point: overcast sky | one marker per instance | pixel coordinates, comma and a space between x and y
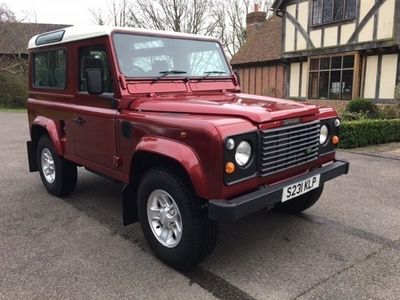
74, 12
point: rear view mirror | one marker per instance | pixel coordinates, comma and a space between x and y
94, 81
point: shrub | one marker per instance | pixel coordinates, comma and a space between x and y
13, 90
389, 111
369, 132
360, 108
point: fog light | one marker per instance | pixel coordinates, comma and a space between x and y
229, 167
336, 123
335, 140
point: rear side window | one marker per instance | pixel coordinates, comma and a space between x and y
50, 69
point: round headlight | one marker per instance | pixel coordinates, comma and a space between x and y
336, 122
323, 134
243, 153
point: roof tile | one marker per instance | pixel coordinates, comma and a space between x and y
263, 43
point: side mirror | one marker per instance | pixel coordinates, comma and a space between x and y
94, 81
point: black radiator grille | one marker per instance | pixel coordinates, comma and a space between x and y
286, 147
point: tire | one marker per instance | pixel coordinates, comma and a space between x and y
197, 237
58, 175
300, 203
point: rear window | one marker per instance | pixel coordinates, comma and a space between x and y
50, 69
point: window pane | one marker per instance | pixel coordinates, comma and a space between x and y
41, 70
314, 64
313, 91
325, 63
338, 10
95, 57
347, 85
327, 13
317, 11
337, 62
334, 92
50, 69
350, 10
348, 62
323, 85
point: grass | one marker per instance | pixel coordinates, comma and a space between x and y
13, 109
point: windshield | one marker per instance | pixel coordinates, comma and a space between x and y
150, 56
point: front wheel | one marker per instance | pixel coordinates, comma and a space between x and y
174, 221
58, 175
300, 203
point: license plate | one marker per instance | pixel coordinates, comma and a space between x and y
300, 188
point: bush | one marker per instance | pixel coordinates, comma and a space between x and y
13, 90
389, 111
369, 132
360, 108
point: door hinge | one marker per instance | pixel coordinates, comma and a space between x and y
116, 161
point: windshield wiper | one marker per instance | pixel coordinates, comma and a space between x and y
170, 72
208, 73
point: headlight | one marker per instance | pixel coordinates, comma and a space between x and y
323, 134
243, 153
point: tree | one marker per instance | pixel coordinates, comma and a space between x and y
6, 15
224, 19
10, 62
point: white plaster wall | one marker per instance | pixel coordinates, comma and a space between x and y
294, 80
315, 36
304, 82
346, 32
388, 76
367, 33
331, 36
370, 76
386, 20
303, 20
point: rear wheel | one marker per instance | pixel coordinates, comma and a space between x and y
174, 221
58, 175
300, 203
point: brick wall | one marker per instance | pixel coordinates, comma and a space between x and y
339, 105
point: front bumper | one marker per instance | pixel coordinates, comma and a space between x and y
267, 196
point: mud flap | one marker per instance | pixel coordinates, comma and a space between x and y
33, 167
129, 205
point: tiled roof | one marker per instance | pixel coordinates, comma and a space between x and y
14, 36
263, 43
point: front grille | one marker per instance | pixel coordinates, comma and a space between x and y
286, 147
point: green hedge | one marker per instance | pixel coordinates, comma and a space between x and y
13, 90
369, 132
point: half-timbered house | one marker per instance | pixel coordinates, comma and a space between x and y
340, 49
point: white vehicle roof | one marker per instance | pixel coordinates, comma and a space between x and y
76, 33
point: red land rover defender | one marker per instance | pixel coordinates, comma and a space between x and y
162, 112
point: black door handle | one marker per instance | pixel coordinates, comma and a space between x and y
79, 121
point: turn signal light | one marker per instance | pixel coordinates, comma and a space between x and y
335, 140
229, 167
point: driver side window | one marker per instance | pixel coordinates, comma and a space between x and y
94, 57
